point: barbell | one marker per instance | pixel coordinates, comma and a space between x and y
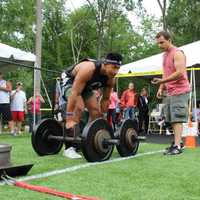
96, 141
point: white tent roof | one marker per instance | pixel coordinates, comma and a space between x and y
153, 64
14, 55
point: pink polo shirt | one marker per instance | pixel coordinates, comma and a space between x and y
179, 86
37, 105
113, 100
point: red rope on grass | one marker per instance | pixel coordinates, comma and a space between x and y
53, 192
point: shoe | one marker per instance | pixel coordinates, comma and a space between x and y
71, 153
172, 145
173, 151
13, 133
168, 132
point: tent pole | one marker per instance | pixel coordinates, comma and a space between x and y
190, 98
195, 97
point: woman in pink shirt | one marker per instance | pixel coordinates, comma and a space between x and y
30, 105
111, 117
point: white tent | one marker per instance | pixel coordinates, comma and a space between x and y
153, 64
10, 57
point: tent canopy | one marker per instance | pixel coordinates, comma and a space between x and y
10, 57
153, 64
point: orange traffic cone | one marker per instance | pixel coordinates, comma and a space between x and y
190, 140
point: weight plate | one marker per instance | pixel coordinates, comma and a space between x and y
128, 138
40, 142
93, 136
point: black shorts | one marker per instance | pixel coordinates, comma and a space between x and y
5, 112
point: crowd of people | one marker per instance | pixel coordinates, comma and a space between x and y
130, 105
14, 106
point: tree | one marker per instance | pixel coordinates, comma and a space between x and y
82, 28
163, 7
15, 29
183, 20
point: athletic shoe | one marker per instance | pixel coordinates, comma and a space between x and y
173, 151
168, 132
14, 133
71, 153
172, 145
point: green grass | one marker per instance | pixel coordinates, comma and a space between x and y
149, 177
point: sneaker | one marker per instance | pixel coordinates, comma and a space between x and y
71, 153
13, 133
172, 145
168, 132
173, 151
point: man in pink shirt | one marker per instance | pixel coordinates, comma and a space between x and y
176, 83
128, 101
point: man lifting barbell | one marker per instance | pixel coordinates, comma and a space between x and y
95, 136
80, 81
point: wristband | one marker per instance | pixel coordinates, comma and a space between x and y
69, 113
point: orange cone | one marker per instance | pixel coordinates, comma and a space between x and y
190, 140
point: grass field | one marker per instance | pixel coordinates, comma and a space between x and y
146, 177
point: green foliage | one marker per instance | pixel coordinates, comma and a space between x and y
17, 19
183, 20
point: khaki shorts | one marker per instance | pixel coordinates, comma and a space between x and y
176, 108
86, 94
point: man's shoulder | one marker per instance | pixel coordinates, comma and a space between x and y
86, 69
87, 63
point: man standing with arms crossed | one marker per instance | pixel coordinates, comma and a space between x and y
175, 82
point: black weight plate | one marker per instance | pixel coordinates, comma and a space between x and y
128, 138
40, 142
92, 147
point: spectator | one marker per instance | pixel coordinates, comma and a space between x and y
129, 102
111, 116
5, 89
18, 107
177, 86
38, 100
143, 111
